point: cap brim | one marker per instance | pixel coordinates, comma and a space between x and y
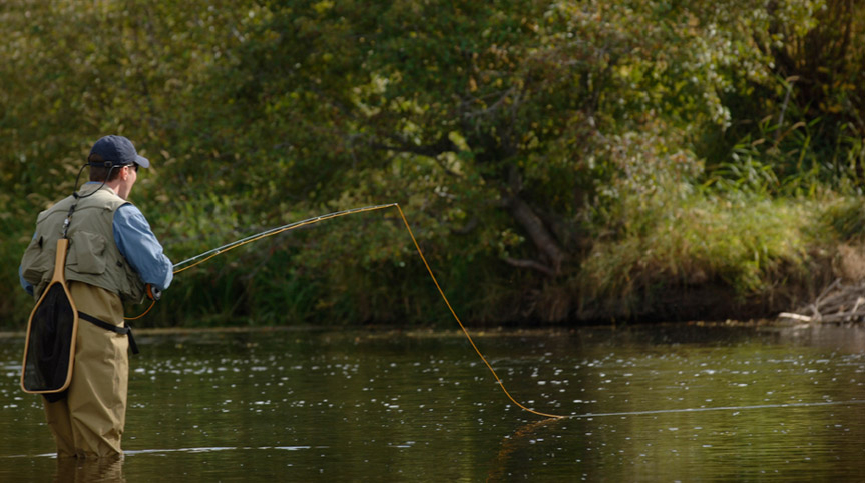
141, 161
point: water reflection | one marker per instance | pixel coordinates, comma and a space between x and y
96, 470
526, 434
683, 402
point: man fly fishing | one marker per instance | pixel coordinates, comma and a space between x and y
113, 257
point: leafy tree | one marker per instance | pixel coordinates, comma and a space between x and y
525, 140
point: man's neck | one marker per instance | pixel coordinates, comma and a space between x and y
99, 185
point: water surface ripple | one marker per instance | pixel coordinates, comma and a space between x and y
687, 402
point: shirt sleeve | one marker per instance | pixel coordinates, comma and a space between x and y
24, 283
137, 243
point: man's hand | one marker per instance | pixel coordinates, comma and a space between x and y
153, 293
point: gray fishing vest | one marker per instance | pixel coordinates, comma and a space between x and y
93, 256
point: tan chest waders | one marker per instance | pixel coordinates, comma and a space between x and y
49, 349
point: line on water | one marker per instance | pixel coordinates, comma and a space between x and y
576, 416
219, 448
211, 449
721, 408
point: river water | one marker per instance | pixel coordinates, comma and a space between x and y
644, 403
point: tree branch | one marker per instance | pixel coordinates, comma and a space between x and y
468, 228
531, 264
539, 234
441, 146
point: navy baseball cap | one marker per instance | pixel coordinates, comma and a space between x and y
118, 150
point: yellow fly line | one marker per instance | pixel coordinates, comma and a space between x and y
203, 257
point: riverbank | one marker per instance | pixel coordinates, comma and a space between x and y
702, 260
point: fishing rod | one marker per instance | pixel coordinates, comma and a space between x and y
204, 256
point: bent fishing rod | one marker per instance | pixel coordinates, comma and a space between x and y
204, 256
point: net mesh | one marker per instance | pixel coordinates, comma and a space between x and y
47, 363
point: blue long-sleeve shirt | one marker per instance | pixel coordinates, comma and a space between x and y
137, 243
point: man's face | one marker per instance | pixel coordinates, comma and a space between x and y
128, 175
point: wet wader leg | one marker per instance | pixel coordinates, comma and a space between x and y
57, 415
97, 394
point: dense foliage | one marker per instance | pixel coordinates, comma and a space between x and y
560, 161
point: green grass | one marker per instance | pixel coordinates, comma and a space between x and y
747, 245
754, 247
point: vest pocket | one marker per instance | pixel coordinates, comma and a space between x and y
37, 262
87, 253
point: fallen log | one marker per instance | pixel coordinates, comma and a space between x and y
838, 303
